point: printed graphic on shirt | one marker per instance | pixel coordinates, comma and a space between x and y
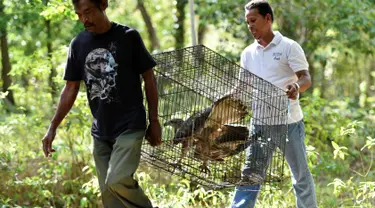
101, 72
277, 55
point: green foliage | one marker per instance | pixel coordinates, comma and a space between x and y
339, 151
58, 10
361, 187
68, 178
346, 142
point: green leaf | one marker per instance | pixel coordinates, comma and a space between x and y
335, 146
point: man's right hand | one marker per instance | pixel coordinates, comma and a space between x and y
153, 133
68, 96
47, 142
292, 91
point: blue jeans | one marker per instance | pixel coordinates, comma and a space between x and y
295, 155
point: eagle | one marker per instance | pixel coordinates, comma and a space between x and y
211, 131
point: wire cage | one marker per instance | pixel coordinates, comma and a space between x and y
221, 124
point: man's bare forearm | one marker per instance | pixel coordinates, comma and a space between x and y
67, 98
151, 94
304, 80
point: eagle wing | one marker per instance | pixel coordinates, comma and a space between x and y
227, 109
192, 125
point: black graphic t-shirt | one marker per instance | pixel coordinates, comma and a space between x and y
111, 65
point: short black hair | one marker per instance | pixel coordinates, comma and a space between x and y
263, 7
96, 2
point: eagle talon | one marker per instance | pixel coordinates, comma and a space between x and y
205, 169
177, 165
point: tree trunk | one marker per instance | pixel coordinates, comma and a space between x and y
180, 31
202, 29
323, 84
5, 60
312, 73
150, 28
25, 81
53, 72
371, 92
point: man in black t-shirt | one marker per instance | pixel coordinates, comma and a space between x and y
111, 59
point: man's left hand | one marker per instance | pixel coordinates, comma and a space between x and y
292, 91
153, 134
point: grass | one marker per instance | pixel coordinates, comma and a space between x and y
68, 179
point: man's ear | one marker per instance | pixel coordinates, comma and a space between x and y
268, 17
104, 5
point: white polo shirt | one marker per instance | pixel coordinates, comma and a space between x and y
277, 63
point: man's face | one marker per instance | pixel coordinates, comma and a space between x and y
257, 24
89, 14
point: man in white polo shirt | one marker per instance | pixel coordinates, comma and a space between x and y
282, 62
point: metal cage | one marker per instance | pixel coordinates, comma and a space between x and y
216, 114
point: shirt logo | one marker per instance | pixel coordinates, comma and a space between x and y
277, 56
101, 72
